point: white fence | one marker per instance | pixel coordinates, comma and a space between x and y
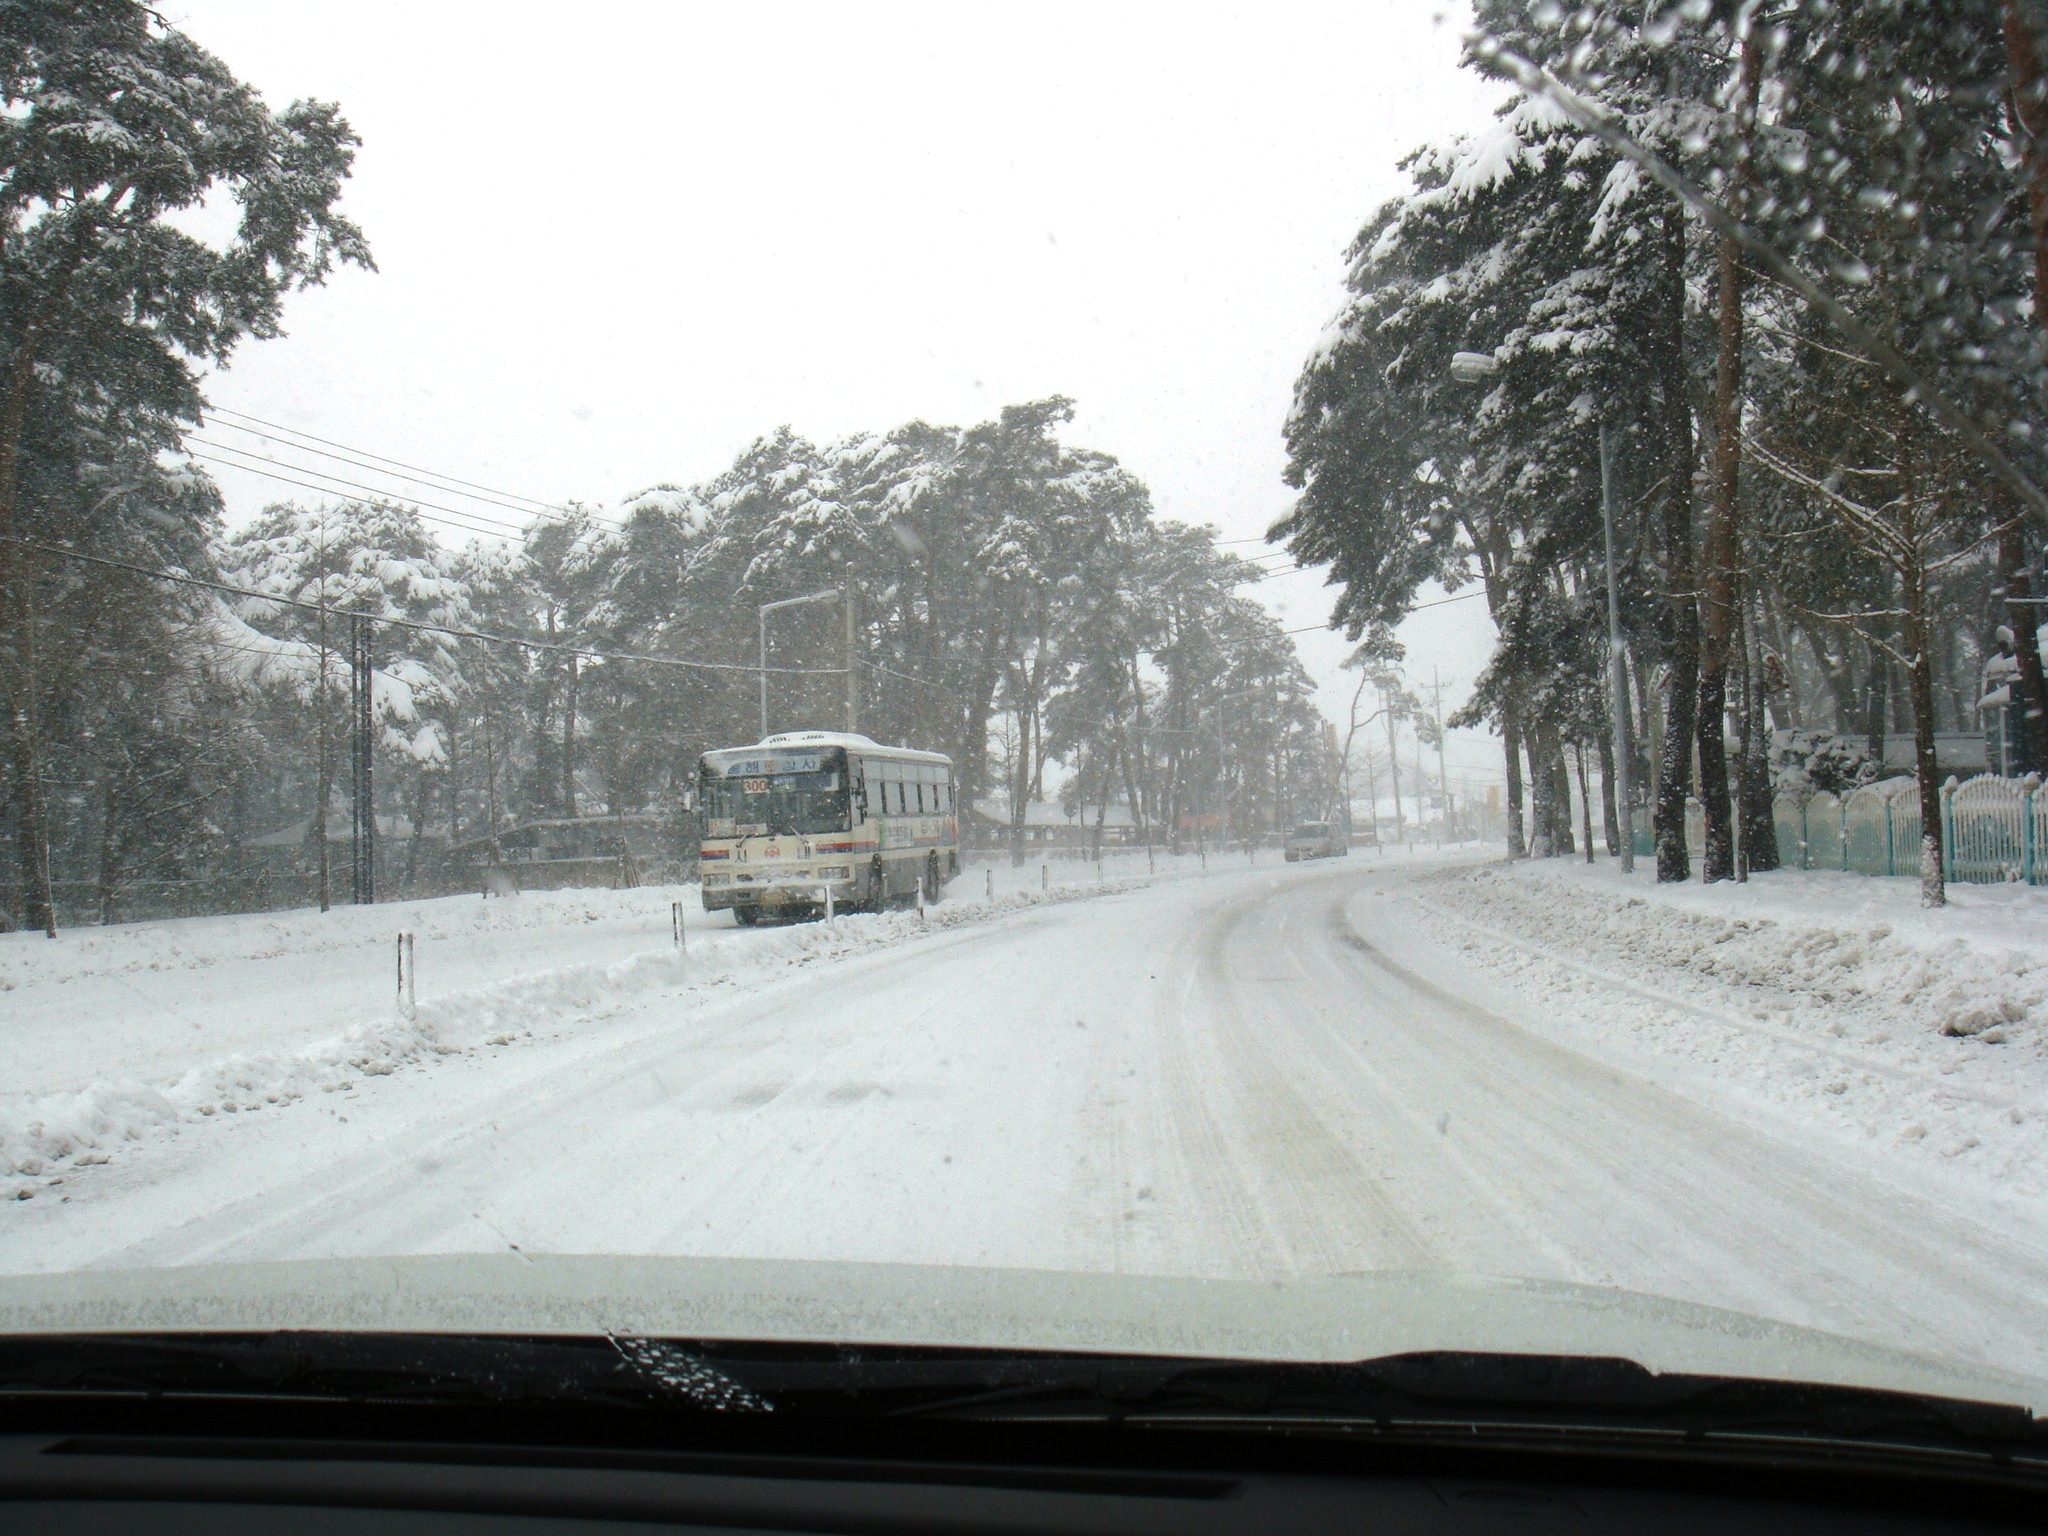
1993, 830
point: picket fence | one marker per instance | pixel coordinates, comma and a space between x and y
1994, 830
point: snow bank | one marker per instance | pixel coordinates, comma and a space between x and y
1920, 1032
41, 1133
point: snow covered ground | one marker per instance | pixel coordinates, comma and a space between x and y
1832, 1002
1404, 1063
111, 1034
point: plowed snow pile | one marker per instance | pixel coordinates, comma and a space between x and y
1922, 1035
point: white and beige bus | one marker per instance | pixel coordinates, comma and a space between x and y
807, 813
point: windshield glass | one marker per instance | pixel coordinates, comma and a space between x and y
1392, 655
738, 802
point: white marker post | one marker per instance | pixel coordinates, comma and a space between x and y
408, 991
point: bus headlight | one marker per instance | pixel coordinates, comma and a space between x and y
718, 879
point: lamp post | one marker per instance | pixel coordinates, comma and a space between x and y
829, 595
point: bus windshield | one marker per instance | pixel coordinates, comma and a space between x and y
738, 802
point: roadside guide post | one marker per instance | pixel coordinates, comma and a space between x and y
408, 990
677, 931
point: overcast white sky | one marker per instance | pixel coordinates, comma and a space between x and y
616, 242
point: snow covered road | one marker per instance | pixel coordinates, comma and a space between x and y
1283, 1070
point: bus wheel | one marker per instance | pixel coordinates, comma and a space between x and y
746, 917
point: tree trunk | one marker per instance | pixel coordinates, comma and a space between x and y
1682, 676
1933, 890
109, 872
1723, 517
1876, 724
1561, 838
2029, 707
1542, 796
2028, 96
1759, 819
32, 813
1511, 741
1586, 805
1610, 812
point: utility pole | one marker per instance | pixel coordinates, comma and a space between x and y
365, 808
852, 684
1617, 675
325, 766
1443, 783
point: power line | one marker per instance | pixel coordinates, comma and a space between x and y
876, 666
420, 625
482, 517
1462, 597
488, 531
545, 507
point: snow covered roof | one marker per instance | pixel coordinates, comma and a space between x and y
818, 739
850, 739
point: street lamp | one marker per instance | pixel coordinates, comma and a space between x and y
829, 595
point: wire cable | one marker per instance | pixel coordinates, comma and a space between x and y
420, 625
450, 480
470, 522
1462, 597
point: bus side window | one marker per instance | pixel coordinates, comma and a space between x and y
922, 808
857, 788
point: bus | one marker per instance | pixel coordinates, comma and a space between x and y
811, 819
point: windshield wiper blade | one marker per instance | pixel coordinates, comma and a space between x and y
1469, 1391
1415, 1394
609, 1372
